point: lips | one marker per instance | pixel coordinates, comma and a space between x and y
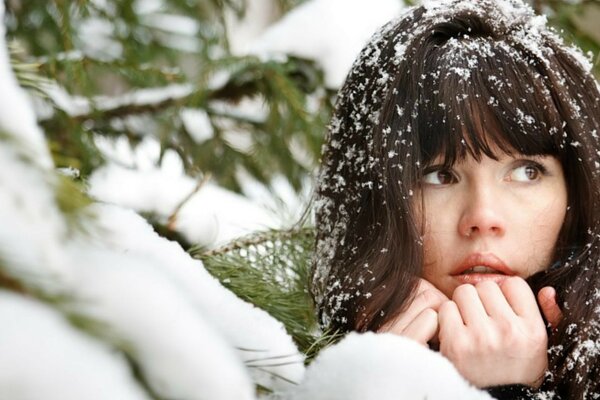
478, 267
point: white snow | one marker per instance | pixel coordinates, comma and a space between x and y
145, 296
177, 24
243, 325
197, 124
77, 106
15, 108
96, 37
243, 30
331, 32
150, 294
43, 357
211, 217
382, 367
134, 178
180, 354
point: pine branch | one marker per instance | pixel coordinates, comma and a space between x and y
256, 239
173, 217
10, 283
270, 270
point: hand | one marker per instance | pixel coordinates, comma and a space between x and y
495, 335
547, 300
420, 320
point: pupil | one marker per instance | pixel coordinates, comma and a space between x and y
444, 176
531, 172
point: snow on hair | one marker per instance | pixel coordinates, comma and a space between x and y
449, 78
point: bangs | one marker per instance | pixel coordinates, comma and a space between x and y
484, 98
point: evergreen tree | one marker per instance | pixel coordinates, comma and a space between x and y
134, 68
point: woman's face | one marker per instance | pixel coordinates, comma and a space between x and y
491, 219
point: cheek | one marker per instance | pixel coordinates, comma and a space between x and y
545, 230
554, 216
438, 227
433, 247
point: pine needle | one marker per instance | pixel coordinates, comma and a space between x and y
270, 270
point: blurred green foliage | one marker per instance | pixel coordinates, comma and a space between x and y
578, 22
108, 52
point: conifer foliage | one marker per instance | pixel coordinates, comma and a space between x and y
92, 289
163, 68
141, 68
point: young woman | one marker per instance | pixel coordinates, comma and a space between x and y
458, 199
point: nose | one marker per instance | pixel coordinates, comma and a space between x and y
481, 214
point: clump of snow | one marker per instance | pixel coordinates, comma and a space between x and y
197, 124
97, 39
77, 106
338, 30
140, 294
178, 24
212, 216
150, 293
243, 30
27, 200
16, 111
382, 367
246, 327
24, 188
179, 352
43, 357
105, 285
138, 178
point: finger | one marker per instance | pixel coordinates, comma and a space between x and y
520, 298
450, 320
550, 309
429, 297
469, 304
425, 284
493, 299
423, 328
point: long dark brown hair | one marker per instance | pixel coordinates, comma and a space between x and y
454, 79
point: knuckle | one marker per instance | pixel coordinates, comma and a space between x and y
431, 297
430, 314
446, 307
539, 335
486, 342
456, 348
506, 328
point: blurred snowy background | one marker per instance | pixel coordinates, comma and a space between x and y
136, 134
205, 116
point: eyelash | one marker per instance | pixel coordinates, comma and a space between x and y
531, 163
543, 171
439, 168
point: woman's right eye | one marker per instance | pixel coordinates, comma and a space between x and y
439, 177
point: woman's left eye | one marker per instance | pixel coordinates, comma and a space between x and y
528, 172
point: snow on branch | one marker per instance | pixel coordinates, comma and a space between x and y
134, 295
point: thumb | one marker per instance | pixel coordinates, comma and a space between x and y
547, 300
